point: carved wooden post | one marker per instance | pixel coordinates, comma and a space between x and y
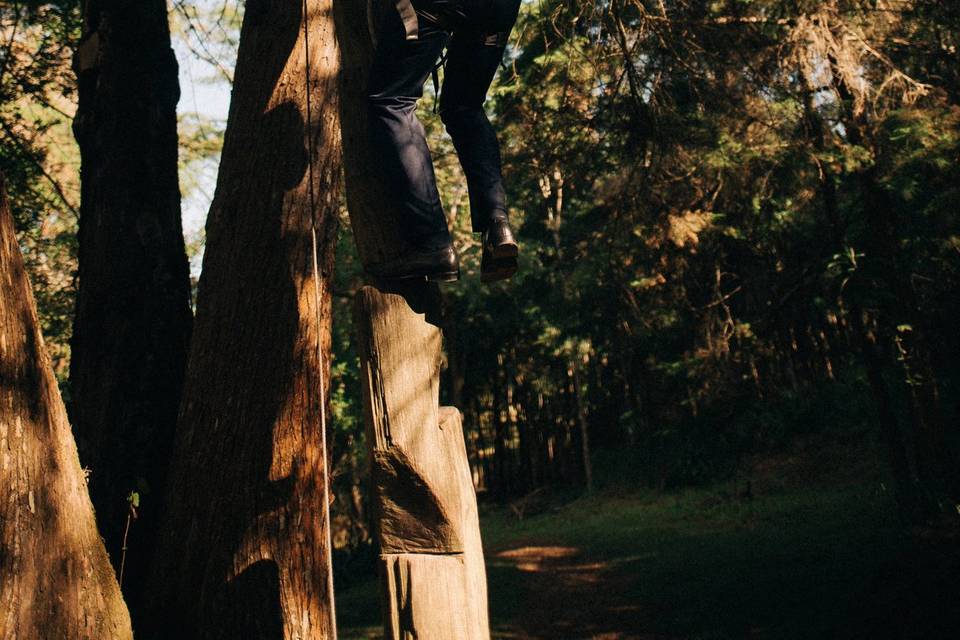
434, 581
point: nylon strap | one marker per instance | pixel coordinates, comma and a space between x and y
498, 39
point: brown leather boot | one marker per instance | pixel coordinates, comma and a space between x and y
435, 265
499, 259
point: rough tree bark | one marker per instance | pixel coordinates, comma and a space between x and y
55, 578
373, 215
132, 322
243, 549
431, 561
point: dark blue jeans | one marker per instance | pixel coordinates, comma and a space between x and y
476, 31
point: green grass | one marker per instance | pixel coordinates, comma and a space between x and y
808, 555
780, 566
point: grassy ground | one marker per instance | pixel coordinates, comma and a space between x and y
810, 548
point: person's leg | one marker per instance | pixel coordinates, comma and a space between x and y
400, 68
475, 52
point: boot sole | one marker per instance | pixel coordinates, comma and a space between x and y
449, 276
505, 251
498, 269
499, 262
446, 276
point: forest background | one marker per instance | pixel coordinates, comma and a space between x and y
740, 226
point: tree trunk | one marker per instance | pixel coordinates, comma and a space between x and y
243, 551
431, 560
483, 459
582, 423
373, 215
503, 486
55, 578
132, 323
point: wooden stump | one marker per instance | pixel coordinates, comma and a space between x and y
433, 576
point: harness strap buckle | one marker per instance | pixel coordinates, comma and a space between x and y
408, 15
498, 39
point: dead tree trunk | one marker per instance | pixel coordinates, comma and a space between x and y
132, 323
243, 549
55, 578
434, 583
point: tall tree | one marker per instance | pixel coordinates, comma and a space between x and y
243, 549
132, 322
55, 578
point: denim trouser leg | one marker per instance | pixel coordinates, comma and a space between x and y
400, 68
473, 57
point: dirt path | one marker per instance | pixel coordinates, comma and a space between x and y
566, 596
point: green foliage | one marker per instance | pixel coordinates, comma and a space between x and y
38, 157
705, 193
